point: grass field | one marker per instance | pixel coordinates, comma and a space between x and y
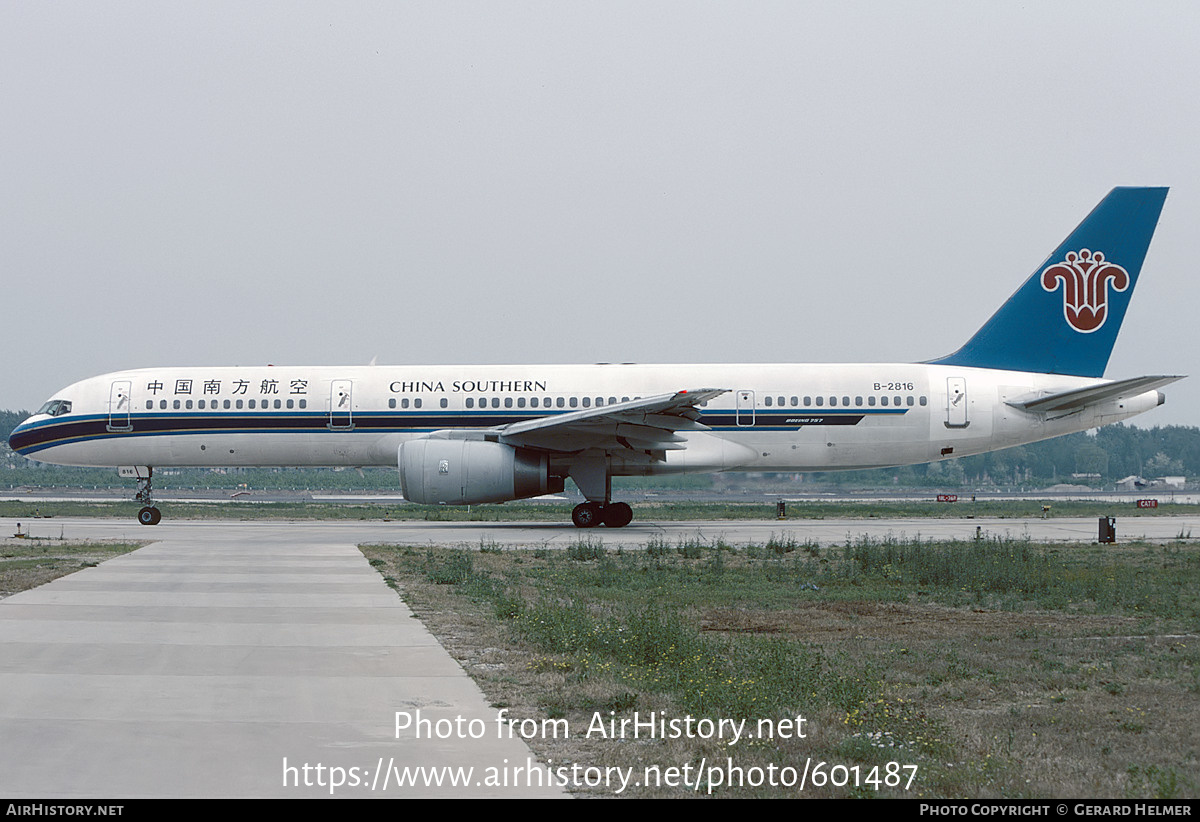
996, 668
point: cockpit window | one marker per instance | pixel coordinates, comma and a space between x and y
56, 408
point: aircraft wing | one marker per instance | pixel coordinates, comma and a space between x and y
1076, 398
646, 424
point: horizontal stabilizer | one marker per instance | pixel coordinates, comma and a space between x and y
1078, 398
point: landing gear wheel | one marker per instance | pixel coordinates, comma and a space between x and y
149, 515
618, 515
587, 515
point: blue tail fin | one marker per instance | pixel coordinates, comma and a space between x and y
1065, 318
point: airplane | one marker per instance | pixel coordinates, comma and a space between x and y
463, 435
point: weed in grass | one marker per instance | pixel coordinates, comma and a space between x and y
716, 567
1157, 783
585, 549
451, 571
508, 606
781, 545
657, 547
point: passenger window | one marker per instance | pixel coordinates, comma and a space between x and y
290, 403
508, 402
910, 402
470, 402
162, 404
883, 400
832, 401
239, 404
820, 401
767, 401
858, 401
923, 400
188, 405
392, 402
574, 402
417, 402
444, 403
304, 403
520, 402
533, 402
560, 402
149, 404
251, 403
226, 404
176, 405
795, 401
278, 403
495, 402
871, 401
587, 402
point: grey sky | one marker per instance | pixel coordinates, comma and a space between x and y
323, 183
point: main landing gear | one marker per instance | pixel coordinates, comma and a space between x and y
591, 473
591, 514
149, 513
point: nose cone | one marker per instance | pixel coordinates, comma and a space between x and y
17, 437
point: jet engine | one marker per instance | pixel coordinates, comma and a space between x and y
467, 472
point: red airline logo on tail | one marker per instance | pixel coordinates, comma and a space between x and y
1085, 277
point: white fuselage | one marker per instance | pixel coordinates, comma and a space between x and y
772, 418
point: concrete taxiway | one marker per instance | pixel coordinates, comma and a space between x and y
239, 666
264, 658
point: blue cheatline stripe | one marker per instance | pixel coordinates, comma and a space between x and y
41, 435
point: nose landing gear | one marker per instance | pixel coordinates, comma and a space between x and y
149, 513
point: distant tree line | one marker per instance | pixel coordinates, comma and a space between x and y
1098, 458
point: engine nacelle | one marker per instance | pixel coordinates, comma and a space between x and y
467, 472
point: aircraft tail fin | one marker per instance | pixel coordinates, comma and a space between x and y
1064, 319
